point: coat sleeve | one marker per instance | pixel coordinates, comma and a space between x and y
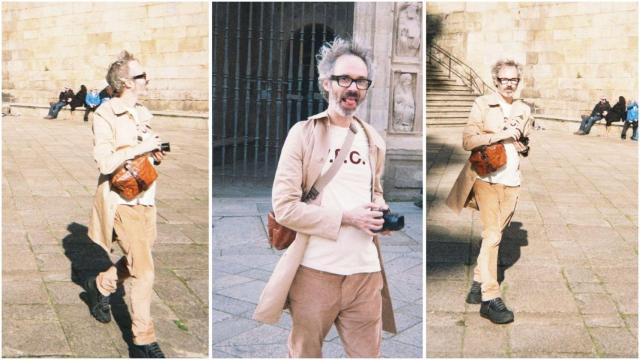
104, 152
306, 218
473, 134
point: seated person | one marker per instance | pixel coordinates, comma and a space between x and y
65, 97
631, 120
91, 103
78, 99
599, 111
616, 113
106, 94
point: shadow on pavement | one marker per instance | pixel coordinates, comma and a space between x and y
513, 239
88, 259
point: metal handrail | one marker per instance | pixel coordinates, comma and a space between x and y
456, 66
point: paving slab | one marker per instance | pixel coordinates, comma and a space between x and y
49, 178
569, 257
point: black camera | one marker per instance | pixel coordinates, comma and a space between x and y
392, 221
165, 147
524, 140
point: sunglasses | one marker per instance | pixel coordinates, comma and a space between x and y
141, 76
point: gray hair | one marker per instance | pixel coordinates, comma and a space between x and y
331, 51
119, 70
495, 69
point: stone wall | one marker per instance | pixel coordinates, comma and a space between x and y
573, 52
46, 46
394, 104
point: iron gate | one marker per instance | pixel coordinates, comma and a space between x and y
264, 78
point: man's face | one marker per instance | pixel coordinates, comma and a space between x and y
603, 100
137, 81
345, 100
507, 81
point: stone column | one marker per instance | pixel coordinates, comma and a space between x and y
394, 104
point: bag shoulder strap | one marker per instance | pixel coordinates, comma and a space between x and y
325, 178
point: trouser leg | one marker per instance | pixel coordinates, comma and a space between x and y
497, 205
360, 320
590, 123
314, 302
135, 227
625, 127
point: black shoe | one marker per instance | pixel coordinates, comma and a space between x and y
496, 311
98, 303
146, 351
475, 293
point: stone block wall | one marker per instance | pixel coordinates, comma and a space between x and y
572, 52
46, 46
394, 104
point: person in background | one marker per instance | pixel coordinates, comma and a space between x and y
106, 94
78, 99
615, 114
631, 120
91, 103
64, 98
599, 111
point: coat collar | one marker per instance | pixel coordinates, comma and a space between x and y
493, 99
119, 107
372, 135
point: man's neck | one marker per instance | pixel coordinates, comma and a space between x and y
339, 120
508, 100
129, 99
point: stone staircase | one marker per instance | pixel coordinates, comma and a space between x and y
448, 99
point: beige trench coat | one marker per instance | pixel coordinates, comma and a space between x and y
113, 128
485, 121
301, 161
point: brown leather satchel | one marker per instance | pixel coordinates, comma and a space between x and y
488, 158
133, 177
280, 236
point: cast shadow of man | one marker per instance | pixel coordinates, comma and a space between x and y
88, 259
513, 238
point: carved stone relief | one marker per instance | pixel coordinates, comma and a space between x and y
409, 29
404, 105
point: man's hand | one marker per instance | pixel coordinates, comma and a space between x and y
510, 133
158, 156
364, 218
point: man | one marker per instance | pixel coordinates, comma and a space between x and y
600, 110
121, 132
332, 273
91, 103
494, 118
64, 98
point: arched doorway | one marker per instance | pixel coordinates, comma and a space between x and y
264, 79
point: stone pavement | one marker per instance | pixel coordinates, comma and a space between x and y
569, 256
49, 179
243, 261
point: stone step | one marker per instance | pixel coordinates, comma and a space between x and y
445, 95
448, 115
447, 87
438, 84
450, 103
446, 122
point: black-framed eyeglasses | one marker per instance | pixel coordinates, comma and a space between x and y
140, 76
346, 81
505, 81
